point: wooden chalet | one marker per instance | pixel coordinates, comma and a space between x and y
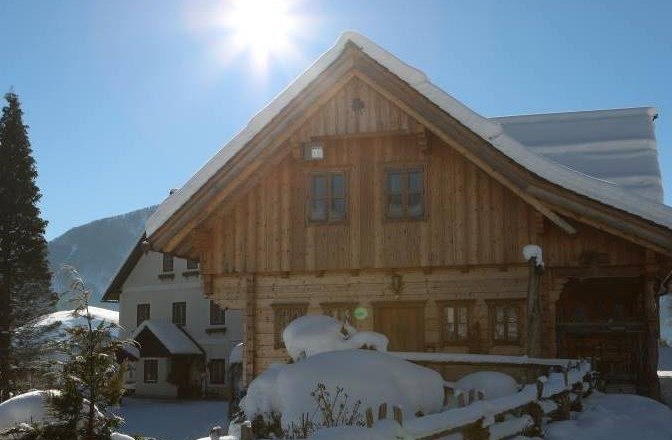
366, 192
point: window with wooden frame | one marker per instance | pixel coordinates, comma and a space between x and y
192, 265
343, 311
327, 197
456, 320
405, 193
217, 314
168, 263
506, 321
217, 371
142, 313
151, 371
283, 314
180, 313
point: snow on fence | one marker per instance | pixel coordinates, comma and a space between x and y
523, 413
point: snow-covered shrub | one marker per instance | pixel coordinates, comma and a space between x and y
371, 377
492, 383
312, 334
25, 408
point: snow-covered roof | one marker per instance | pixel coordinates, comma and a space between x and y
171, 336
68, 319
614, 145
490, 130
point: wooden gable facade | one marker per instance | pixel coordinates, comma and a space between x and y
419, 235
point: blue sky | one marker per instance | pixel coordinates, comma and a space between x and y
126, 99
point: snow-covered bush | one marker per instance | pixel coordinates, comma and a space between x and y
283, 392
25, 408
312, 334
493, 384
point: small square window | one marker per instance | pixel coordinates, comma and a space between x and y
217, 371
506, 321
455, 319
217, 314
142, 313
180, 313
327, 201
283, 315
151, 370
405, 193
192, 265
167, 263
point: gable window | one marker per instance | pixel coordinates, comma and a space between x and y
283, 315
217, 371
192, 265
167, 263
455, 318
180, 313
405, 193
343, 311
505, 321
142, 313
151, 370
217, 314
327, 199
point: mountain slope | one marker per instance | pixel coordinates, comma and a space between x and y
97, 249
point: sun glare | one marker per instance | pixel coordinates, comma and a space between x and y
263, 28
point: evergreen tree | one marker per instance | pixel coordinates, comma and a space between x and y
91, 380
24, 273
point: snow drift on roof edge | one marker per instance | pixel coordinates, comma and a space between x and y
598, 190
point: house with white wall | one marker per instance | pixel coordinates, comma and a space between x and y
184, 337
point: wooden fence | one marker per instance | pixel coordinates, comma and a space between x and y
552, 397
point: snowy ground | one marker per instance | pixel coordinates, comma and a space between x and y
665, 374
615, 417
171, 419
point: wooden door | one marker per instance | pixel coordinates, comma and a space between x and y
403, 322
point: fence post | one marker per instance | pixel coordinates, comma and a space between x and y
369, 417
398, 417
461, 400
382, 411
540, 389
246, 431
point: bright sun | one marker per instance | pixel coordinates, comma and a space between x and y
264, 28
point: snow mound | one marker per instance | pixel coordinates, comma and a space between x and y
312, 334
615, 417
533, 251
68, 319
369, 376
25, 408
118, 436
493, 384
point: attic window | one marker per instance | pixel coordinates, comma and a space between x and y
167, 265
313, 151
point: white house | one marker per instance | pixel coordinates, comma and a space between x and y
185, 338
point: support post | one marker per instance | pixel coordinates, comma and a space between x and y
250, 331
534, 309
651, 313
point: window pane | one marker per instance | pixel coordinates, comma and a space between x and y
394, 182
462, 315
167, 263
462, 331
318, 209
319, 187
337, 209
217, 314
337, 185
499, 331
499, 314
394, 208
415, 181
449, 315
192, 265
416, 205
512, 323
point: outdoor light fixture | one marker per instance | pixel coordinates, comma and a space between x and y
313, 151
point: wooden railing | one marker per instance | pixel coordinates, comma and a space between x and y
552, 396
